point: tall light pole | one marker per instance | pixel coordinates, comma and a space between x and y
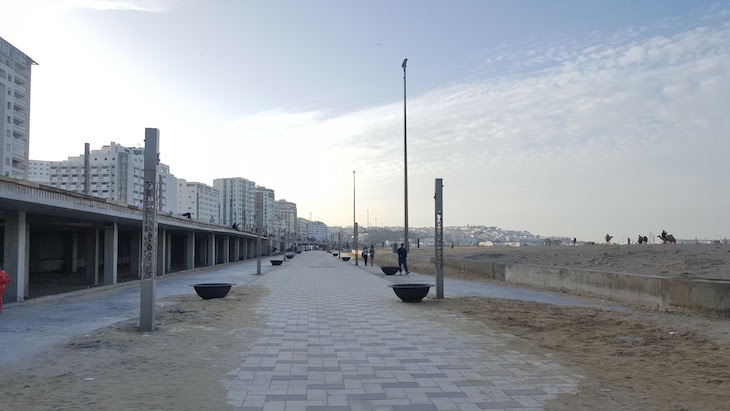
354, 226
405, 153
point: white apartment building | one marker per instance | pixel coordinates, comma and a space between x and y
116, 173
39, 171
317, 230
200, 200
285, 216
237, 201
265, 209
14, 111
302, 228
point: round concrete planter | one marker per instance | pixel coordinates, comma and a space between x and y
345, 258
411, 292
390, 270
207, 291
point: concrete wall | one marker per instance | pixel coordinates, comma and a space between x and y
689, 296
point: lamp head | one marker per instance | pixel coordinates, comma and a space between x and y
405, 61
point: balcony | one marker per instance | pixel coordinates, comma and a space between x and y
20, 117
21, 88
22, 77
19, 128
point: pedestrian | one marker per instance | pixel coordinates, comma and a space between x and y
365, 254
372, 254
402, 255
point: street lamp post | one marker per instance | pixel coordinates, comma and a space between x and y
405, 154
354, 224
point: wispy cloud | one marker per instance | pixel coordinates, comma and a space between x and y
150, 6
619, 111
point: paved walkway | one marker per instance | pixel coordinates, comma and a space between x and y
337, 338
37, 324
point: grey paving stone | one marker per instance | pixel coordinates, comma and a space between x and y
335, 338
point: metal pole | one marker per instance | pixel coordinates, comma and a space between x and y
405, 155
339, 244
149, 230
354, 223
439, 215
258, 250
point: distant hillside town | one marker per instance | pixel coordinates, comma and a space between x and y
469, 235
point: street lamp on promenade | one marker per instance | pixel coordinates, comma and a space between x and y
405, 153
354, 223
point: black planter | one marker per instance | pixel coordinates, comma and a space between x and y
411, 292
299, 252
212, 290
335, 253
276, 262
390, 270
345, 258
290, 256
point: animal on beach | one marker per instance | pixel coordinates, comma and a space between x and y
667, 238
643, 240
608, 239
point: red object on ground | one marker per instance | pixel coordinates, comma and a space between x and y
4, 280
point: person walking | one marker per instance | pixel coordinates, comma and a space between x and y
372, 255
365, 254
402, 255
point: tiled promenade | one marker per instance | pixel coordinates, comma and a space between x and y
337, 338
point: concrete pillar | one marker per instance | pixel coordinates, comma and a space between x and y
168, 253
236, 249
190, 250
135, 254
91, 257
211, 250
161, 251
111, 250
15, 256
226, 249
71, 250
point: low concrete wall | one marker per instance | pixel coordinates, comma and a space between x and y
689, 296
697, 296
634, 289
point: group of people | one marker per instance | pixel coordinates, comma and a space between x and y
402, 256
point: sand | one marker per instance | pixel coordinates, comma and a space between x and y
179, 366
640, 360
672, 260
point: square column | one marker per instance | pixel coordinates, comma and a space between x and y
211, 250
190, 250
161, 251
226, 249
168, 253
236, 249
135, 254
111, 251
91, 256
71, 250
16, 253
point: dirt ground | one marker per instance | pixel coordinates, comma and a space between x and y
638, 360
673, 260
179, 366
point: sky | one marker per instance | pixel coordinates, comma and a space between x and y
570, 118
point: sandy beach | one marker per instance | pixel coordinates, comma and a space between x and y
673, 260
636, 360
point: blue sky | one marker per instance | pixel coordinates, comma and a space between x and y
562, 118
